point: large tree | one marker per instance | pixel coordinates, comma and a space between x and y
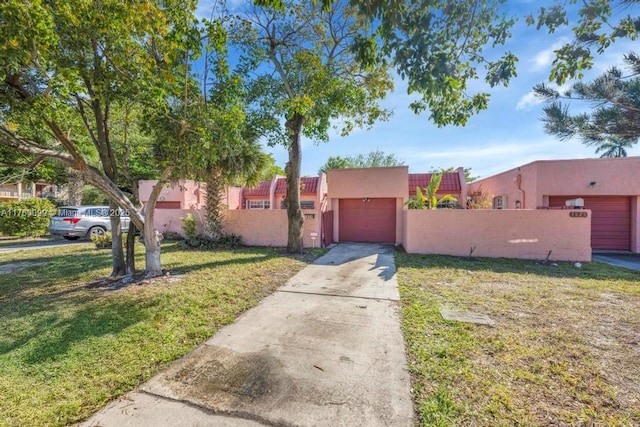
63, 66
373, 159
439, 47
612, 123
307, 76
615, 107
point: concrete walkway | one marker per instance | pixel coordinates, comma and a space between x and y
325, 349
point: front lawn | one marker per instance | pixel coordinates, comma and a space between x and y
564, 350
69, 343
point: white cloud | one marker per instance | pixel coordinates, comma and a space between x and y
543, 59
527, 101
531, 100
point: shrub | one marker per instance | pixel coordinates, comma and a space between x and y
190, 227
105, 240
26, 218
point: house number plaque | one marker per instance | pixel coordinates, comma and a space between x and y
578, 214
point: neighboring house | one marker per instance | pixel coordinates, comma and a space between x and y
367, 204
22, 191
187, 194
610, 188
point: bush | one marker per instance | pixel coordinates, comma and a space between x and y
106, 240
26, 218
103, 241
190, 228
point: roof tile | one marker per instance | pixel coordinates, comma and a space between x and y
450, 182
309, 185
261, 189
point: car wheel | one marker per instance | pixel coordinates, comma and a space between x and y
96, 231
71, 237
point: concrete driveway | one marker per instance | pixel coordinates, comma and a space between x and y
626, 260
325, 349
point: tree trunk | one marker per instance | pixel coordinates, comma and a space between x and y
213, 215
117, 254
131, 251
75, 187
152, 237
292, 169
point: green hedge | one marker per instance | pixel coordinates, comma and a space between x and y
26, 218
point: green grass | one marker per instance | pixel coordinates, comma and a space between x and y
12, 240
563, 351
68, 344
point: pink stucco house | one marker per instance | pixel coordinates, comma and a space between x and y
529, 216
609, 188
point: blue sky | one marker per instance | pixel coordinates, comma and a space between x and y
508, 134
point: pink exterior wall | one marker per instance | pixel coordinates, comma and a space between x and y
232, 198
170, 220
369, 182
614, 177
541, 179
266, 227
257, 228
526, 234
187, 192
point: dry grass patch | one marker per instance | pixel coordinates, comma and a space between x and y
565, 349
68, 345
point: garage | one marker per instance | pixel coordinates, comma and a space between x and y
367, 220
610, 220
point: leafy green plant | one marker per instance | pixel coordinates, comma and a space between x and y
102, 241
105, 240
26, 218
428, 199
230, 240
190, 227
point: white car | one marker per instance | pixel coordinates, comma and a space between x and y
74, 222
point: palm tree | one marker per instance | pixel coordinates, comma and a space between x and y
236, 163
614, 147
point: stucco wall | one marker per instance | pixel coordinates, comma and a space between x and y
527, 234
257, 228
170, 220
266, 227
369, 182
613, 177
187, 192
505, 184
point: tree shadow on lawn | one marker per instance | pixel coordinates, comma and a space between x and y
68, 268
50, 327
243, 255
560, 269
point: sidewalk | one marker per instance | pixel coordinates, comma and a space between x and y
325, 349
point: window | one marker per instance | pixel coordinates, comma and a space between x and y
258, 204
499, 202
304, 204
307, 204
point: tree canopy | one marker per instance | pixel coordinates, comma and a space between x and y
438, 47
305, 74
373, 159
611, 124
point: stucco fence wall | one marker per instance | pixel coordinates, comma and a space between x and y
257, 227
526, 234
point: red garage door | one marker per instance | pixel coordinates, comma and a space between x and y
371, 221
610, 220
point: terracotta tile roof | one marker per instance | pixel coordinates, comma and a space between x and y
261, 190
309, 185
450, 182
